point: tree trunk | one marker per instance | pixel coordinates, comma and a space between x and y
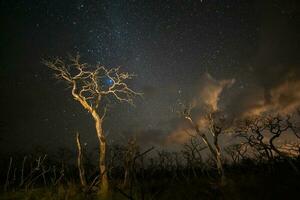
126, 178
215, 151
220, 166
217, 156
80, 163
102, 155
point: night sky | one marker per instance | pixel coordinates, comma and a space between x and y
245, 52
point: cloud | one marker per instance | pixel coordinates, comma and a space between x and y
277, 58
282, 99
209, 90
183, 131
178, 136
275, 85
206, 99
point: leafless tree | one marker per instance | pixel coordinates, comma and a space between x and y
215, 129
237, 152
277, 126
131, 170
261, 132
131, 151
32, 171
93, 87
192, 153
253, 130
116, 155
80, 165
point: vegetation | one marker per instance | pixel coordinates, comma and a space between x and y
256, 164
93, 87
153, 174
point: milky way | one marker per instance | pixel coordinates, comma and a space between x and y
170, 45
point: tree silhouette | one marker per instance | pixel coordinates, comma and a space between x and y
261, 132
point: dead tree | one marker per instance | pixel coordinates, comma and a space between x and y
192, 153
237, 152
277, 126
252, 131
132, 178
215, 130
93, 88
131, 151
255, 131
80, 162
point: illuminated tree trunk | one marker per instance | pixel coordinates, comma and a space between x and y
126, 177
216, 154
79, 162
102, 154
88, 89
220, 166
218, 157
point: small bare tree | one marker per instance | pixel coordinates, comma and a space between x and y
131, 150
80, 162
237, 152
192, 154
93, 88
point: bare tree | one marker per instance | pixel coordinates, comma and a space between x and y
237, 152
261, 133
192, 154
215, 129
80, 162
131, 151
93, 88
253, 131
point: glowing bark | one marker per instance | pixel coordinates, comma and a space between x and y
89, 86
80, 163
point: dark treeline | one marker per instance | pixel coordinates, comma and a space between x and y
254, 167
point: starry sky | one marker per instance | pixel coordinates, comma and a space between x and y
175, 48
